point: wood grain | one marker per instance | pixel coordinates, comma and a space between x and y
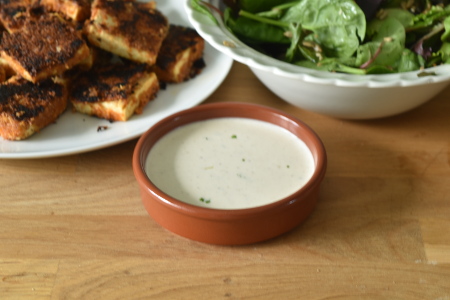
74, 227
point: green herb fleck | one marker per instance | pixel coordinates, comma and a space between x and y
207, 201
288, 166
243, 159
234, 136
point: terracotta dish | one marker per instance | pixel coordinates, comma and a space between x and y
229, 226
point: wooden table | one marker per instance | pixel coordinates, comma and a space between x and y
74, 227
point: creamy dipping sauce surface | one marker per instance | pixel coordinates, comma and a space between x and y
229, 163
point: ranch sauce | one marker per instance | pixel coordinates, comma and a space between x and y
229, 163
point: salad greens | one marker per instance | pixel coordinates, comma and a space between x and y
357, 37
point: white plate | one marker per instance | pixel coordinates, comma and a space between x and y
77, 133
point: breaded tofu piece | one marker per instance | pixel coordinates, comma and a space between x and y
26, 108
13, 14
5, 67
77, 10
5, 70
43, 48
128, 29
84, 65
181, 48
114, 92
2, 74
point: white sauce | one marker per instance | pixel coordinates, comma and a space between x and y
229, 163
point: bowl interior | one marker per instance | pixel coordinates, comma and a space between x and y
217, 35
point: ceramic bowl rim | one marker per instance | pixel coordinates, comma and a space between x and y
218, 36
140, 154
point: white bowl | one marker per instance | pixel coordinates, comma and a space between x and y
335, 94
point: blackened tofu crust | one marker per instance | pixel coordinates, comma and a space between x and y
13, 14
114, 92
128, 29
26, 108
182, 47
78, 10
43, 48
